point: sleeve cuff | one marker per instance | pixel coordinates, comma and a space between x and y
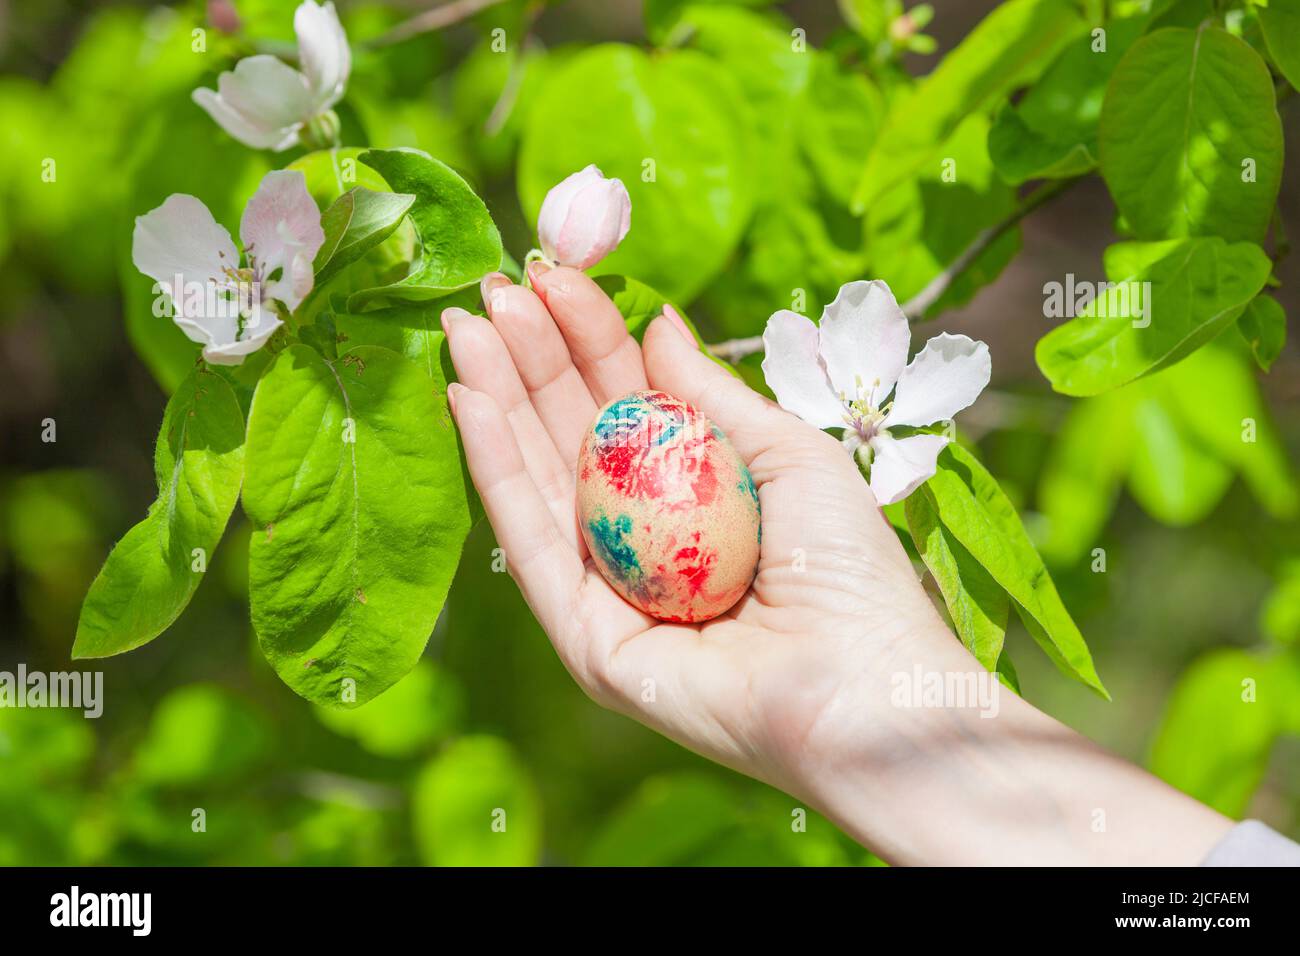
1251, 843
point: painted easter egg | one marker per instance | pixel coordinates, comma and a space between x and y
669, 511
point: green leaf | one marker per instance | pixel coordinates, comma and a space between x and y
1179, 13
868, 18
799, 246
1183, 433
1051, 133
152, 573
663, 17
1191, 143
459, 243
1086, 465
42, 748
981, 518
419, 710
1279, 618
668, 821
756, 52
817, 842
924, 224
475, 805
332, 172
1280, 22
426, 123
491, 94
1022, 153
321, 334
1007, 672
1197, 287
1173, 477
977, 605
1222, 721
746, 847
640, 305
1231, 421
200, 735
354, 224
674, 129
1008, 48
1263, 326
840, 111
345, 831
358, 502
331, 175
412, 330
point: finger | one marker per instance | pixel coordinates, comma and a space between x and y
583, 617
675, 364
540, 558
606, 355
555, 387
483, 364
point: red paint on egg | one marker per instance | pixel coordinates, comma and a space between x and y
705, 485
654, 474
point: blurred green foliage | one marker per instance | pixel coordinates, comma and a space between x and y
1175, 544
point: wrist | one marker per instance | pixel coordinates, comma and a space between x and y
881, 759
926, 759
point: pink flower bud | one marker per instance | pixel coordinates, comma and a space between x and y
223, 15
584, 218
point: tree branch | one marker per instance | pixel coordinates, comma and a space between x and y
509, 94
915, 308
436, 19
733, 350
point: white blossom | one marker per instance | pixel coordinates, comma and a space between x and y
852, 372
217, 301
267, 104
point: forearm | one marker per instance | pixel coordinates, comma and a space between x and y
995, 781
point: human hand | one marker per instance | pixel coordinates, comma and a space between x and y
835, 606
793, 684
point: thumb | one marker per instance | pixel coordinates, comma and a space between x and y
676, 365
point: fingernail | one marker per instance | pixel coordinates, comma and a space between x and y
453, 389
680, 324
490, 283
537, 269
450, 317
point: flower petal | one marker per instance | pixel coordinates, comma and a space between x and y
322, 52
281, 230
864, 338
794, 371
555, 207
598, 220
233, 353
261, 103
182, 248
945, 377
246, 129
901, 465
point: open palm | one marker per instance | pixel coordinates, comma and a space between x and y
835, 603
